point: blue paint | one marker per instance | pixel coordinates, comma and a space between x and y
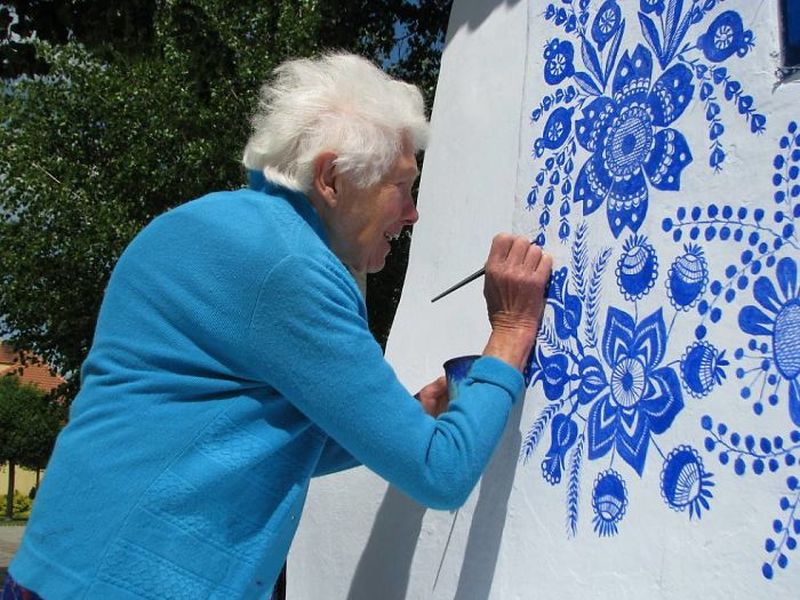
559, 56
777, 317
687, 278
702, 368
606, 24
609, 502
456, 370
644, 397
632, 148
725, 37
563, 433
685, 482
567, 307
616, 379
637, 268
623, 107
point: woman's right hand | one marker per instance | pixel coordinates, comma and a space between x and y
517, 273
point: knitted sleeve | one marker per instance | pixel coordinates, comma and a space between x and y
334, 459
312, 344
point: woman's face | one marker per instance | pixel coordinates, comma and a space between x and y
364, 221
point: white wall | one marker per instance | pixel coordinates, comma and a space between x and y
624, 428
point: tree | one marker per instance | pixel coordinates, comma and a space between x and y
112, 116
29, 423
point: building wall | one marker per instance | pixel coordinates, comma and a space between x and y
24, 480
653, 147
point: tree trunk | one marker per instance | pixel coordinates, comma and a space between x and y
10, 497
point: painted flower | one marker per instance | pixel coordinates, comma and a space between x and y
687, 278
644, 398
552, 372
725, 35
557, 128
606, 23
685, 483
592, 379
558, 66
637, 268
563, 433
701, 368
648, 6
779, 319
630, 141
566, 306
609, 501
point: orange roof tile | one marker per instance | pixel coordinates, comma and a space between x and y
37, 374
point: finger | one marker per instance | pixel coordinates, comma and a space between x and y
518, 251
533, 257
501, 244
545, 265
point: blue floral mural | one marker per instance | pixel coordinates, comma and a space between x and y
623, 107
763, 290
615, 378
642, 397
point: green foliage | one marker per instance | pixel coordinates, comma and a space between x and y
22, 505
29, 423
121, 111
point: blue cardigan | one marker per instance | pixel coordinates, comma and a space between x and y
231, 363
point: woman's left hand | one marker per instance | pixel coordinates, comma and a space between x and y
433, 397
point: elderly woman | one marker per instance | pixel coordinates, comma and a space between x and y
232, 360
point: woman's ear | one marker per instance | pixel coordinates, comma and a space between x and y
324, 182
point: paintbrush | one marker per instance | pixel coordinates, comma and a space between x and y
479, 273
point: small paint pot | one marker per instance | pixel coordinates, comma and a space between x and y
456, 370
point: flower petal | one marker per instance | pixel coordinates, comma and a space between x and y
627, 203
554, 375
787, 277
602, 426
752, 320
667, 159
765, 294
617, 335
662, 408
671, 94
597, 117
631, 441
564, 432
633, 75
650, 339
593, 184
592, 379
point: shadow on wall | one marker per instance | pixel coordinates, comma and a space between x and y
472, 13
396, 528
489, 518
399, 521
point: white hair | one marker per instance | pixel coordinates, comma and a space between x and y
340, 103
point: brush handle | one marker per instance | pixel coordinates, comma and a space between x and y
479, 273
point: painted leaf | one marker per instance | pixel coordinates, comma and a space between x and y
650, 33
591, 61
